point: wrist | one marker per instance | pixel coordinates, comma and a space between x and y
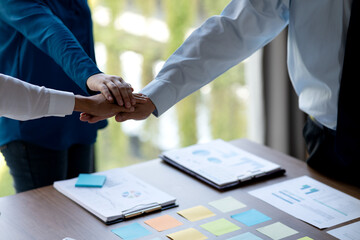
82, 104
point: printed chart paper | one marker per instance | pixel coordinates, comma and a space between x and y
348, 232
311, 201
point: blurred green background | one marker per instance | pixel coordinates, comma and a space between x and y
132, 39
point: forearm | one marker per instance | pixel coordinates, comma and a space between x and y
23, 101
219, 44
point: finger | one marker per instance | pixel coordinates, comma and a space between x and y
121, 117
95, 119
141, 99
125, 92
124, 109
115, 91
85, 117
131, 95
105, 91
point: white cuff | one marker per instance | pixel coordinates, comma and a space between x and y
61, 103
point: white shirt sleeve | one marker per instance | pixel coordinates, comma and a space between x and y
23, 101
220, 43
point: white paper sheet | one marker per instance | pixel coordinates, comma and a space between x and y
311, 201
348, 232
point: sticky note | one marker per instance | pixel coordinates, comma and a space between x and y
305, 238
227, 204
90, 180
163, 223
131, 232
196, 213
220, 227
245, 236
277, 231
251, 217
187, 234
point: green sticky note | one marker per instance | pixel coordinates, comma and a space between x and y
90, 180
227, 204
305, 238
277, 231
220, 227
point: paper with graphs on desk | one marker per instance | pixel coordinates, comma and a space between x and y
311, 201
221, 164
122, 196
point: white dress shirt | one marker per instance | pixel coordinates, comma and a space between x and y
316, 42
23, 101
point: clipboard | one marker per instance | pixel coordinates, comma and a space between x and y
220, 164
122, 197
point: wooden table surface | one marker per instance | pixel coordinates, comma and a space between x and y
45, 213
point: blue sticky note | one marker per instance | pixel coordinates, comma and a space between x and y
245, 236
90, 180
131, 232
251, 217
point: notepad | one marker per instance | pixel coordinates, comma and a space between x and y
123, 196
90, 180
220, 164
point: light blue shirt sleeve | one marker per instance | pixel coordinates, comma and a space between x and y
216, 46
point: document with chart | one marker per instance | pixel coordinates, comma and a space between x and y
220, 164
122, 196
311, 201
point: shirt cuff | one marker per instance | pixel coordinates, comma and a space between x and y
162, 94
61, 103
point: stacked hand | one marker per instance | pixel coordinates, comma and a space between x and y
116, 99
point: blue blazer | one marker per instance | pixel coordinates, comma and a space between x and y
48, 43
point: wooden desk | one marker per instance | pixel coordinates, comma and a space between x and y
46, 214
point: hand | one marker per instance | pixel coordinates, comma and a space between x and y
93, 118
98, 106
112, 87
142, 111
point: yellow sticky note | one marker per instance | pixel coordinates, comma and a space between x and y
163, 223
187, 234
196, 213
305, 238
